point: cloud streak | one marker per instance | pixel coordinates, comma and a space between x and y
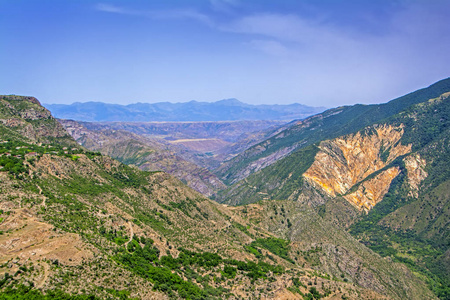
183, 14
291, 32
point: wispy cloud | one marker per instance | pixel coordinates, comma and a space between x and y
270, 47
116, 9
290, 35
285, 27
182, 14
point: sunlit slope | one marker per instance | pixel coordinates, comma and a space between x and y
327, 125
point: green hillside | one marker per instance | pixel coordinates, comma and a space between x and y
327, 125
416, 231
85, 220
410, 225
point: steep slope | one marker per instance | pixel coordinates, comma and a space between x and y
145, 153
412, 224
327, 125
321, 245
25, 119
396, 171
343, 162
81, 222
248, 139
349, 165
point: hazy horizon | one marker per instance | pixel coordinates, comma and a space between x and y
171, 102
317, 53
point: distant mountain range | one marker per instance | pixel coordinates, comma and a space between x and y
224, 110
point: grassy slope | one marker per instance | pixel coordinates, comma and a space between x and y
321, 245
416, 231
411, 231
277, 181
330, 124
100, 200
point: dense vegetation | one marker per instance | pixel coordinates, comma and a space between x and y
28, 293
277, 246
167, 272
14, 155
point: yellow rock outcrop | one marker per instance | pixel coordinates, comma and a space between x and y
371, 191
345, 161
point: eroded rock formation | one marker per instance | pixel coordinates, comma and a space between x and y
347, 161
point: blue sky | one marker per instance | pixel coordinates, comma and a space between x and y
315, 52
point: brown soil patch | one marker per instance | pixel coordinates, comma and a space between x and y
26, 238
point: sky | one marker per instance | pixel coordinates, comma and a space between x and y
314, 52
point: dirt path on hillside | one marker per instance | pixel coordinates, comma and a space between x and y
131, 233
46, 268
44, 198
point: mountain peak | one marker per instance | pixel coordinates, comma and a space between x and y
230, 101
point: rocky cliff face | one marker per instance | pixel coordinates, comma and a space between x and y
372, 191
403, 164
354, 166
25, 115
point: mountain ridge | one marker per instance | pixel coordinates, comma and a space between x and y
223, 110
389, 178
327, 125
